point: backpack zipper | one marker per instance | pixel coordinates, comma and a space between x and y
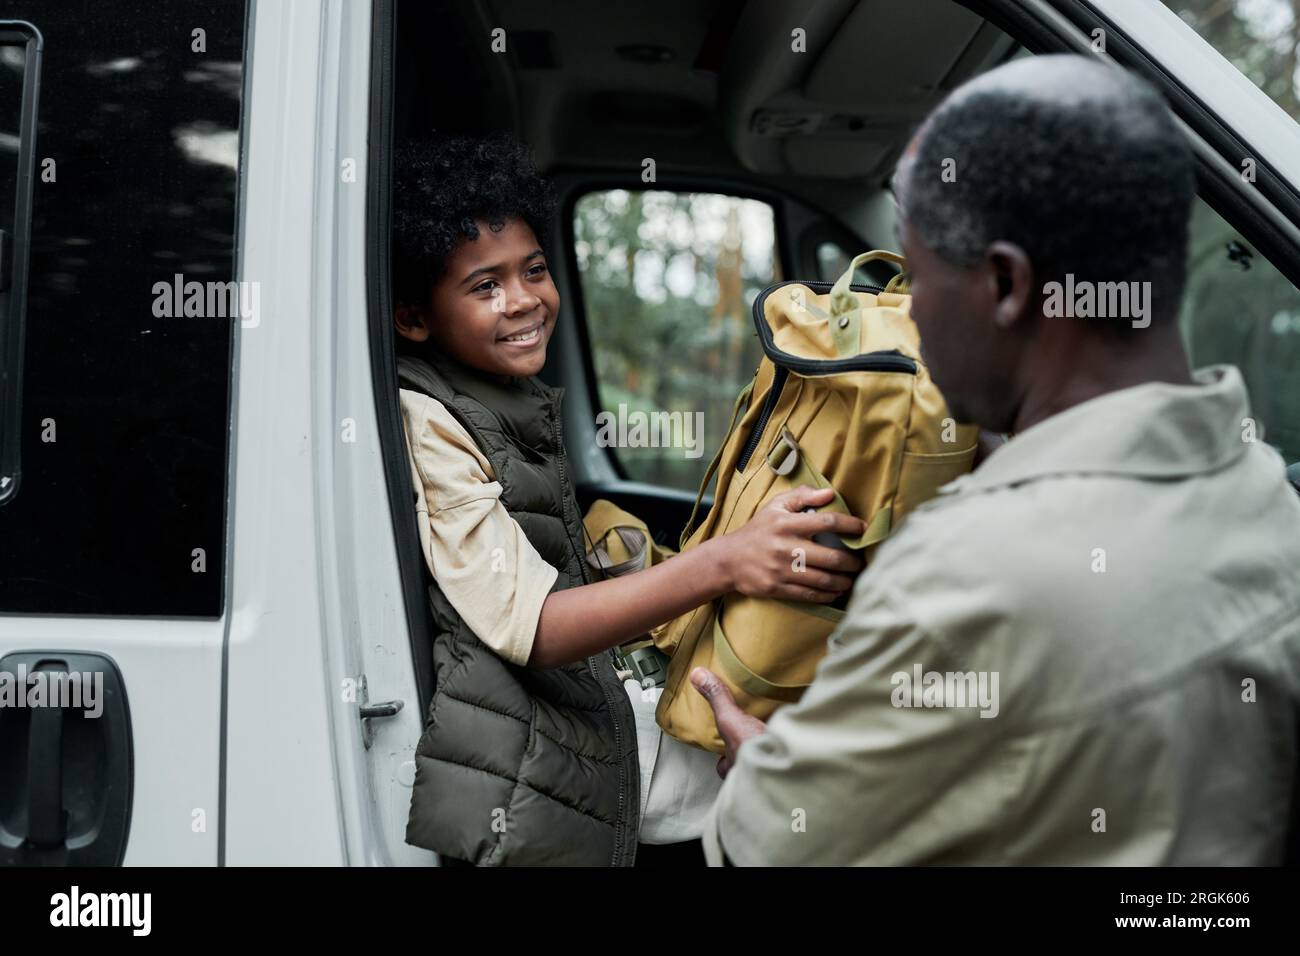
769, 403
887, 361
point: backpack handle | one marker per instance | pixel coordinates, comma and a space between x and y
846, 310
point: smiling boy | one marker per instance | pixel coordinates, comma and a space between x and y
529, 754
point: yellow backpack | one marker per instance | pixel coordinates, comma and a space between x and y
841, 398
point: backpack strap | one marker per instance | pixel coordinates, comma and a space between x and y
789, 461
741, 399
727, 665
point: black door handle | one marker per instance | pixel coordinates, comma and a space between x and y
47, 825
65, 761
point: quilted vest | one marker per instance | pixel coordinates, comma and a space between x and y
520, 766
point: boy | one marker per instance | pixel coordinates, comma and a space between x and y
530, 754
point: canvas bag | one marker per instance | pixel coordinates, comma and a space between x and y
840, 398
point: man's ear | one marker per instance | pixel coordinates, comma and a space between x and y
1012, 275
412, 323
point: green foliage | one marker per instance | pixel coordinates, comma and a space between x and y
667, 283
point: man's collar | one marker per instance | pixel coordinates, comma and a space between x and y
1156, 430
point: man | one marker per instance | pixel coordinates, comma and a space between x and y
1088, 650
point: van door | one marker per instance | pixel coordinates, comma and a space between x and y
322, 714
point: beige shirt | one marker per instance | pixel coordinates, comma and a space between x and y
497, 581
486, 566
1122, 581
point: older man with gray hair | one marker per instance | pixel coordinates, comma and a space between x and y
1115, 591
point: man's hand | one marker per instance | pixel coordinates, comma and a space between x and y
734, 724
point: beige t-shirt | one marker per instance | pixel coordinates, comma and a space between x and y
487, 567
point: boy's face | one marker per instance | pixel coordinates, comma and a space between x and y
495, 306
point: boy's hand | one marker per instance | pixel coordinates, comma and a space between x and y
774, 555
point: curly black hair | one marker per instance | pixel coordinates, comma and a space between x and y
442, 189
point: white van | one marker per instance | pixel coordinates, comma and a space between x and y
204, 498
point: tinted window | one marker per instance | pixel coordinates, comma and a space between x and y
833, 259
1240, 310
19, 84
125, 413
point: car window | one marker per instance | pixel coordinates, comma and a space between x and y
668, 281
1239, 309
1261, 38
131, 307
833, 259
19, 81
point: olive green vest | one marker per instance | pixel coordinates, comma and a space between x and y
521, 766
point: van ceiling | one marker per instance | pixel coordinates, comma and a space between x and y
714, 85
